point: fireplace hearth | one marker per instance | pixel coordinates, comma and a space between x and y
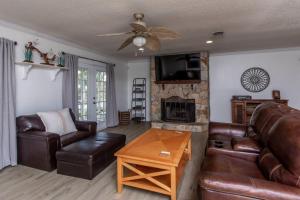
177, 109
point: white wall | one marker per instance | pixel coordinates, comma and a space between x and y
139, 69
283, 66
38, 93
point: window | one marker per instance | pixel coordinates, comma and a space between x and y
101, 96
83, 94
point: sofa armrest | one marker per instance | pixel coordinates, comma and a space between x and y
39, 135
89, 126
37, 149
231, 129
247, 187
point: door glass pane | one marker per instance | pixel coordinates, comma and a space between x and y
101, 96
83, 94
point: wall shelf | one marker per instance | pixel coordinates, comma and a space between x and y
27, 67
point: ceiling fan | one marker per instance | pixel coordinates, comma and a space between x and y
145, 37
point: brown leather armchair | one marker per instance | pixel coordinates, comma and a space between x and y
273, 176
37, 148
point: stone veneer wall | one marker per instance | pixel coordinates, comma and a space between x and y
199, 92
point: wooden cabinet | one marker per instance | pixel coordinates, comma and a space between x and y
242, 109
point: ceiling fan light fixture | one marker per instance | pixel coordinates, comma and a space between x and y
139, 41
143, 37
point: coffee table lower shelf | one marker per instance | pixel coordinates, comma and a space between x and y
149, 176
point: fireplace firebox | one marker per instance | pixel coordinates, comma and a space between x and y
177, 109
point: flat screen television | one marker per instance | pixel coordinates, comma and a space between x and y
183, 67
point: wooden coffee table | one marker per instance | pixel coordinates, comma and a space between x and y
154, 161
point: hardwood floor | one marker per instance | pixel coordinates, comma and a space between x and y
24, 183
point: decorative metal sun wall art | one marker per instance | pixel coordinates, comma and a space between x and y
255, 79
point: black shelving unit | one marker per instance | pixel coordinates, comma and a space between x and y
138, 102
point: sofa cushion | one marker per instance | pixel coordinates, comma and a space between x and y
240, 179
227, 129
263, 123
256, 115
275, 171
88, 157
265, 117
73, 137
30, 123
269, 122
245, 144
84, 152
231, 165
264, 112
232, 186
91, 149
117, 141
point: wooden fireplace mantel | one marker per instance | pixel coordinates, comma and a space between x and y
177, 99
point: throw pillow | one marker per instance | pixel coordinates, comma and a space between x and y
52, 122
59, 122
67, 121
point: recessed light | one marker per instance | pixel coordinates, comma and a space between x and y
209, 42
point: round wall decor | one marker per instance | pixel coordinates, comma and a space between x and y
255, 79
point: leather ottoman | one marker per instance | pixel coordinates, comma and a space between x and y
88, 157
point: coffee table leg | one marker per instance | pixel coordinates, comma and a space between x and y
189, 148
173, 183
119, 174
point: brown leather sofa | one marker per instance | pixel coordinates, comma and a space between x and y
273, 174
37, 148
246, 141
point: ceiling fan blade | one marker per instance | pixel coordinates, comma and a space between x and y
153, 43
127, 42
164, 33
138, 26
113, 34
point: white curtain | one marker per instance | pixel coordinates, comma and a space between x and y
70, 80
111, 102
8, 144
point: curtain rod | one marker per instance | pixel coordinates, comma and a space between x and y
16, 43
94, 60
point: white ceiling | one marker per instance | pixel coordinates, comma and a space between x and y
248, 24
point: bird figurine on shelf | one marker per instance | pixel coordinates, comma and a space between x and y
61, 59
47, 57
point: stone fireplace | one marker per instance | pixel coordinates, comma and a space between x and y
187, 92
177, 109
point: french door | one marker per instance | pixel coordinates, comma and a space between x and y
92, 94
